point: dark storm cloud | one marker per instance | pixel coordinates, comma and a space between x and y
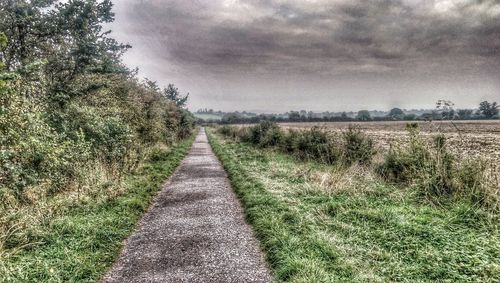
354, 48
372, 35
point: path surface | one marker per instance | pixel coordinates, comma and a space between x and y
194, 232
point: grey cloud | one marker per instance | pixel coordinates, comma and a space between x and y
371, 31
258, 38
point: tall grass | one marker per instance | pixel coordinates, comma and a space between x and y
428, 166
75, 235
438, 175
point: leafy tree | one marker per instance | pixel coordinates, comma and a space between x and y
65, 95
445, 109
488, 110
172, 93
231, 118
67, 35
396, 114
410, 117
27, 28
294, 116
448, 114
364, 115
465, 114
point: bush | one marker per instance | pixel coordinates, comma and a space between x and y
230, 132
258, 132
272, 136
225, 130
358, 148
314, 144
433, 170
72, 120
31, 152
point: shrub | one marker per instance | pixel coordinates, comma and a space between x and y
287, 144
72, 120
31, 152
272, 136
314, 144
434, 171
357, 147
258, 132
230, 132
225, 130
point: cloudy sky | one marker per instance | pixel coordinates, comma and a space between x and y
276, 55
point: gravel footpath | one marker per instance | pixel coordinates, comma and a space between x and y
194, 232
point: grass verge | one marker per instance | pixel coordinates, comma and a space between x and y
364, 231
83, 239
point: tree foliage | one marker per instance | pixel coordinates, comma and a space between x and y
68, 102
364, 115
172, 93
488, 110
396, 114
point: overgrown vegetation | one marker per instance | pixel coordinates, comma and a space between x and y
76, 238
313, 144
74, 121
319, 223
437, 174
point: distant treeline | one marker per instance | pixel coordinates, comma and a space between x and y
443, 111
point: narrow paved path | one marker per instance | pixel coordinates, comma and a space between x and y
194, 232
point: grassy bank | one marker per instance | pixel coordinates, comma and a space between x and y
321, 223
77, 238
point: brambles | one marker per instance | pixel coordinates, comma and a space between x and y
313, 144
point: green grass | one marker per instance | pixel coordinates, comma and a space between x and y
81, 244
204, 116
360, 231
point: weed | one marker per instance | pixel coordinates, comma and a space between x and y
435, 171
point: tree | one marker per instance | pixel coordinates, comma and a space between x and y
488, 110
3, 45
445, 109
465, 114
294, 116
27, 28
410, 117
396, 114
173, 94
364, 115
66, 40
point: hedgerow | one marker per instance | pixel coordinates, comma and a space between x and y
313, 144
73, 118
